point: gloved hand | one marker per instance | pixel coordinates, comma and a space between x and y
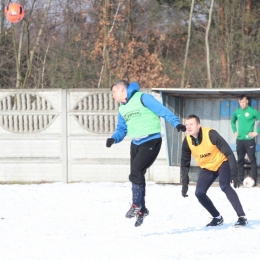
184, 189
235, 180
181, 127
110, 141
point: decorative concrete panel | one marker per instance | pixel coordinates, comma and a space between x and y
27, 172
30, 148
96, 148
98, 173
60, 135
26, 113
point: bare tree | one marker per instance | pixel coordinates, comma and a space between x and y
36, 44
187, 45
159, 43
107, 31
2, 7
20, 31
223, 58
209, 82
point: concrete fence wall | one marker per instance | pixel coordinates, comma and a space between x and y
60, 135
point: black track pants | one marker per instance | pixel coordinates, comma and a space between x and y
246, 147
205, 180
142, 157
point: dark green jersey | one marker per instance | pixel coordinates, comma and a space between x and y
246, 122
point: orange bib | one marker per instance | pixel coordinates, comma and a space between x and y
206, 154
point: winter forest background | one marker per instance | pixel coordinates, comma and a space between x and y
159, 43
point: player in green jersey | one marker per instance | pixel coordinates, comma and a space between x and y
245, 116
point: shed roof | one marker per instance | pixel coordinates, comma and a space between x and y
213, 93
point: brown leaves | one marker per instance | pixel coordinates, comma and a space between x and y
136, 64
78, 37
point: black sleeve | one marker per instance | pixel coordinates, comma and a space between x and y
224, 147
185, 161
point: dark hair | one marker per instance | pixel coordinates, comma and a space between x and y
121, 81
193, 116
243, 96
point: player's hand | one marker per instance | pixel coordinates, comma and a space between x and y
236, 134
110, 141
252, 134
181, 127
184, 190
236, 182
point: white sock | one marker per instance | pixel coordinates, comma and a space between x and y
218, 217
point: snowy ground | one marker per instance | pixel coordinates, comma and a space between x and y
86, 221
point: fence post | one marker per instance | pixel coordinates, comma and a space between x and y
64, 138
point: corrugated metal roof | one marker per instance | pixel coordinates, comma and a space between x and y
209, 93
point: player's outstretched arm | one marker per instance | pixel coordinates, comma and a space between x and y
159, 109
119, 134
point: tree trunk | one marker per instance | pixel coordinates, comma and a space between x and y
2, 19
105, 52
32, 52
242, 77
209, 83
223, 58
247, 27
187, 45
18, 56
107, 24
129, 22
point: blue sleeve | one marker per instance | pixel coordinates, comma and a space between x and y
121, 129
159, 109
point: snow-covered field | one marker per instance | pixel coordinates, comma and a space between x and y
87, 221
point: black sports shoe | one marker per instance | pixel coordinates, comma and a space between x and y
216, 222
133, 211
242, 221
140, 217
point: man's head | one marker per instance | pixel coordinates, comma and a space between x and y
119, 91
192, 125
243, 101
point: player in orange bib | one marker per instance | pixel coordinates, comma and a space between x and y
216, 159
